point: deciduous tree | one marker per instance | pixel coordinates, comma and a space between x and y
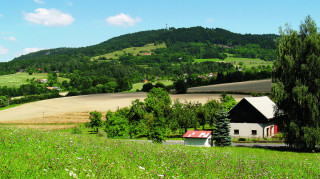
297, 85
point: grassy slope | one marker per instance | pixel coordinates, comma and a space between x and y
15, 80
138, 86
132, 50
54, 154
248, 62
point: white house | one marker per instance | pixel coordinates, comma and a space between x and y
198, 138
253, 117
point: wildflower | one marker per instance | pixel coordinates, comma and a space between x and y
66, 170
90, 171
74, 175
74, 169
45, 170
141, 168
70, 173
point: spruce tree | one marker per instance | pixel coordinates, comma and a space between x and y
222, 134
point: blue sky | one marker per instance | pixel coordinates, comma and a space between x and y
31, 25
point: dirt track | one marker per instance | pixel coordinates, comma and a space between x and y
76, 109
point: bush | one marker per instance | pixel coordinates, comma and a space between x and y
101, 133
147, 87
181, 87
73, 93
76, 130
242, 139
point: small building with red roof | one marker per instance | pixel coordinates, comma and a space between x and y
198, 138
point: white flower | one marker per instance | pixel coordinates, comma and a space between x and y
74, 175
71, 173
45, 170
141, 168
66, 170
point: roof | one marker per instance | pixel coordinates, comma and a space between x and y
197, 134
263, 104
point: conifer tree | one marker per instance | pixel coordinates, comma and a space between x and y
222, 134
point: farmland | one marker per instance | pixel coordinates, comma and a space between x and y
246, 62
17, 79
76, 109
59, 154
261, 86
133, 50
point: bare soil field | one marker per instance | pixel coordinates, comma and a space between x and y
76, 109
262, 86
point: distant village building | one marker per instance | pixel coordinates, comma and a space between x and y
43, 80
253, 117
53, 88
198, 138
144, 81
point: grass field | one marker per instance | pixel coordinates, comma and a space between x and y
30, 153
138, 86
17, 79
248, 62
133, 50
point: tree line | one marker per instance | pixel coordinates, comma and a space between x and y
157, 117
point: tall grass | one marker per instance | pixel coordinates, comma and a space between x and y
53, 154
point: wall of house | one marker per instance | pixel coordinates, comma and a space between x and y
198, 142
269, 129
245, 130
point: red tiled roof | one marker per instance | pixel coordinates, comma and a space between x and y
197, 134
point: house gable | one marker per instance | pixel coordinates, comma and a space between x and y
245, 112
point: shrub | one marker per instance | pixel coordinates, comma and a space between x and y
76, 130
242, 139
147, 87
73, 93
101, 133
181, 87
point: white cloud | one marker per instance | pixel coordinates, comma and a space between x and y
39, 1
210, 20
30, 50
69, 3
122, 20
9, 38
3, 50
49, 17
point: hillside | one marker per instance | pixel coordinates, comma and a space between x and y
15, 80
194, 42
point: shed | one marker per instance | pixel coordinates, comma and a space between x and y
253, 117
198, 138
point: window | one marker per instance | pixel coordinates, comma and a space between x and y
236, 132
253, 132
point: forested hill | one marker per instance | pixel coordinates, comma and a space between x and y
60, 56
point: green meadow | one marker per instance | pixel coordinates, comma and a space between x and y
133, 50
248, 62
17, 79
139, 86
30, 153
